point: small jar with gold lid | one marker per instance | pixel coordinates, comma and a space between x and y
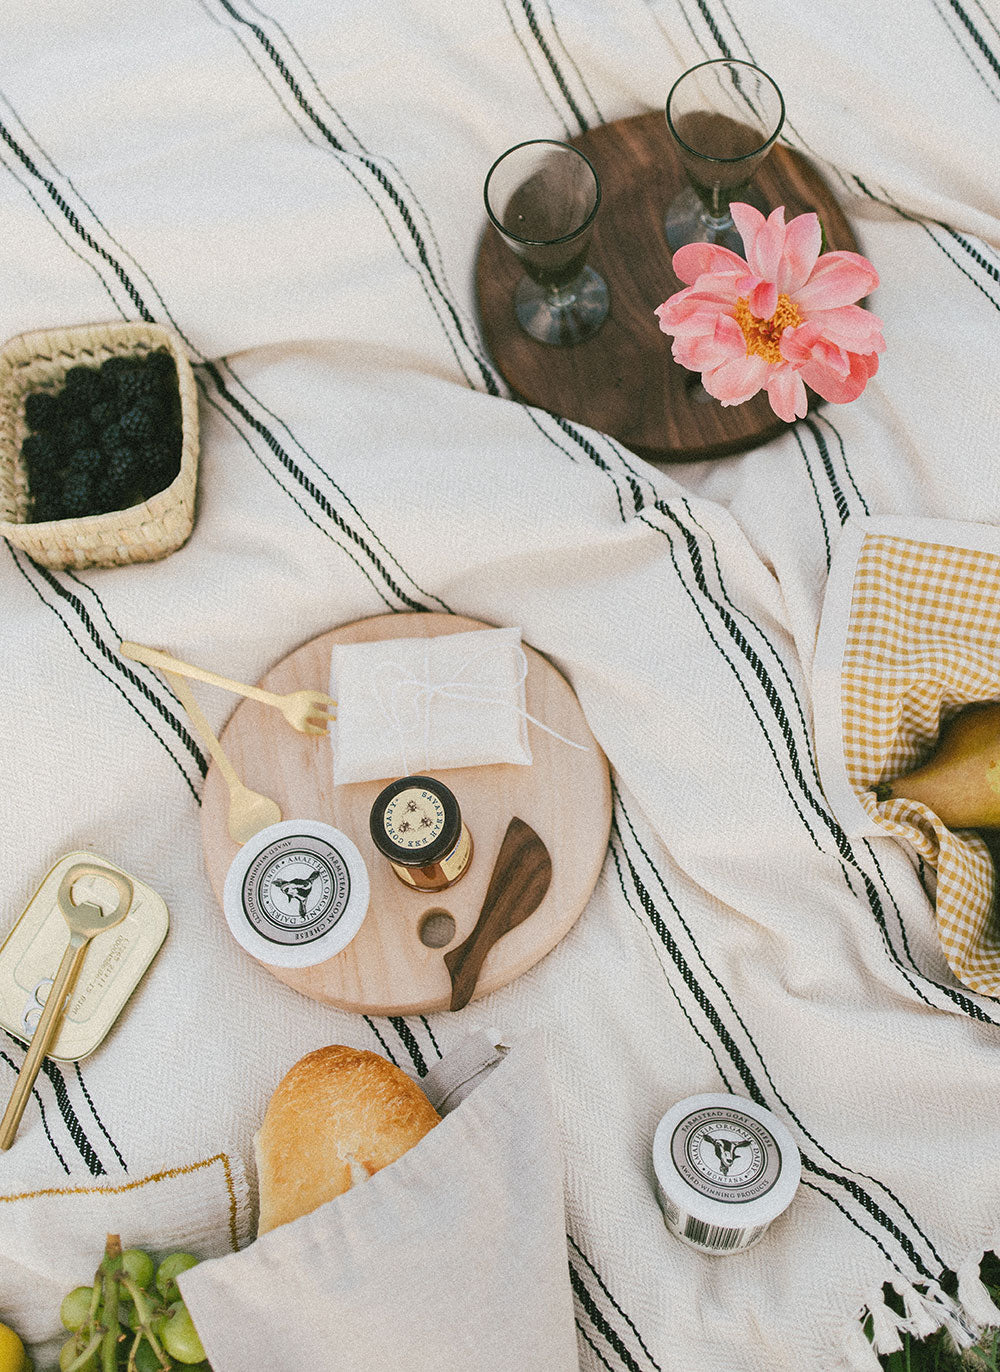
417, 825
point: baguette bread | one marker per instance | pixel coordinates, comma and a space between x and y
339, 1115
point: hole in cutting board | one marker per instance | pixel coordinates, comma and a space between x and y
436, 928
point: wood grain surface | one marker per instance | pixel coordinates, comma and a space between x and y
565, 795
624, 381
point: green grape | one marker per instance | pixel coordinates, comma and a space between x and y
145, 1359
71, 1350
180, 1338
166, 1273
139, 1266
76, 1307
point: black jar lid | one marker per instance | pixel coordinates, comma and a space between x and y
415, 821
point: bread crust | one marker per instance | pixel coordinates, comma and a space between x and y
339, 1115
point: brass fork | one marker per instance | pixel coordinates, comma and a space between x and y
249, 811
308, 711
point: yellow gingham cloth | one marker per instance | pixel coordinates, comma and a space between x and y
923, 640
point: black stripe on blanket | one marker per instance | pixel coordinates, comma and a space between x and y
66, 604
53, 1074
981, 53
16, 1067
607, 1331
558, 41
577, 1278
552, 64
928, 228
375, 175
289, 56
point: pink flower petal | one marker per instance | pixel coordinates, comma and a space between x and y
803, 239
708, 351
749, 222
764, 299
695, 259
768, 246
807, 344
736, 381
851, 327
838, 278
839, 390
787, 394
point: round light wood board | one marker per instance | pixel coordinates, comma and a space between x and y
623, 381
565, 795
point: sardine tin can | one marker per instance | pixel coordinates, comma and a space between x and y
115, 962
725, 1169
296, 893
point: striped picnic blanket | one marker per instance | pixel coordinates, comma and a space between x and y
295, 186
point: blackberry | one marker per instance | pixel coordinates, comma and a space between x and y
40, 409
162, 368
138, 425
40, 452
75, 432
163, 464
102, 414
131, 384
89, 460
113, 366
78, 494
115, 444
82, 388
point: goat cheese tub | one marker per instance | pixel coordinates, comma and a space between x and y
725, 1169
296, 893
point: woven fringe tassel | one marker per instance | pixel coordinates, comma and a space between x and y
928, 1311
885, 1327
923, 1313
859, 1355
973, 1296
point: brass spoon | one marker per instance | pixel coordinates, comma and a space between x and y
85, 921
960, 781
249, 811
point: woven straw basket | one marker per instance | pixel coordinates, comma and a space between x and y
39, 361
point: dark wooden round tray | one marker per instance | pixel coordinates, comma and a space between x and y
624, 381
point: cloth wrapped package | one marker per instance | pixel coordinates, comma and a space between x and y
452, 1258
409, 705
909, 636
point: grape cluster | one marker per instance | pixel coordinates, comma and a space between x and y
133, 1318
108, 439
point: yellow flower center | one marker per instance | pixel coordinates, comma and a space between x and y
763, 335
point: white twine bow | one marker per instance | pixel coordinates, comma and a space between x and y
422, 692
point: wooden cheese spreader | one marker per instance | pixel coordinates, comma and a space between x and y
518, 883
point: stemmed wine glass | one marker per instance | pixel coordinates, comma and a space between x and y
724, 117
542, 196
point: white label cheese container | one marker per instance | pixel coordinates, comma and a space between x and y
725, 1169
296, 893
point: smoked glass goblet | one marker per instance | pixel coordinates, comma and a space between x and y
542, 196
724, 117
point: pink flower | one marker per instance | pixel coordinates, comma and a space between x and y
785, 318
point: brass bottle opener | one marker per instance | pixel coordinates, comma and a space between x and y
84, 921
